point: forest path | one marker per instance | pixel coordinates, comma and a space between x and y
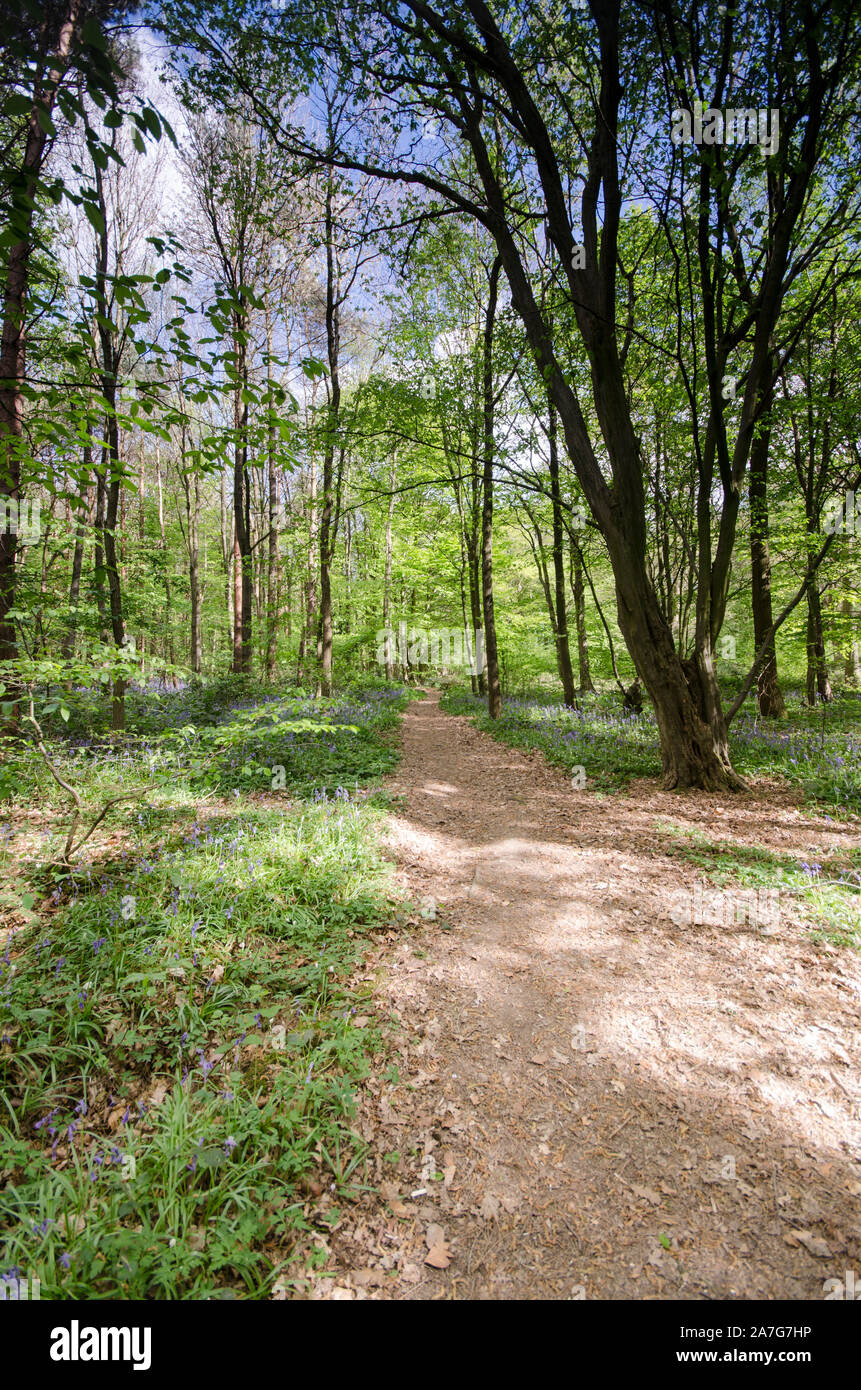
593, 1100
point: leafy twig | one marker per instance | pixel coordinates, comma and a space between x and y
70, 846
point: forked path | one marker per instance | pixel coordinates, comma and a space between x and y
593, 1100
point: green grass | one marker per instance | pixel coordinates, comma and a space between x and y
817, 750
179, 1045
827, 892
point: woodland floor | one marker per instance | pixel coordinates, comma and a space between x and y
577, 1071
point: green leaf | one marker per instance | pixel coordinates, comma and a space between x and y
91, 33
94, 217
45, 121
211, 1158
17, 105
152, 122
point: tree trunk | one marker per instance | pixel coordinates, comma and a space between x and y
348, 568
141, 494
98, 549
110, 364
328, 515
14, 334
494, 694
686, 696
244, 581
167, 644
194, 581
236, 664
310, 626
387, 579
115, 594
227, 558
324, 646
852, 669
769, 696
192, 512
563, 651
817, 667
578, 590
472, 541
68, 647
273, 585
473, 557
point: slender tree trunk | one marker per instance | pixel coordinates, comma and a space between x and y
168, 626
113, 473
191, 486
469, 634
14, 334
141, 493
348, 567
194, 577
40, 646
579, 593
387, 577
307, 638
273, 584
328, 521
563, 651
468, 621
118, 709
237, 603
325, 635
769, 697
259, 507
98, 549
852, 668
243, 552
473, 555
288, 577
68, 647
494, 694
817, 667
227, 559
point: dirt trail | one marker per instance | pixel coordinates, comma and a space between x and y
592, 1099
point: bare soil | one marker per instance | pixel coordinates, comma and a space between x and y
590, 1099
